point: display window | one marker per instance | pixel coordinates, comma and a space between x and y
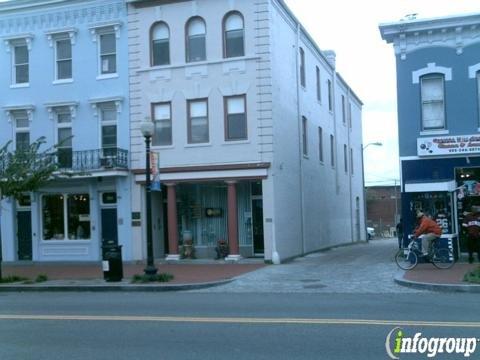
468, 195
66, 217
437, 205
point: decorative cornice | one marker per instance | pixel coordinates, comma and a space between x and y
116, 99
11, 40
59, 33
12, 108
52, 19
72, 106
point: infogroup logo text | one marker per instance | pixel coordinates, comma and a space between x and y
417, 344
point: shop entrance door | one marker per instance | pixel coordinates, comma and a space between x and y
24, 235
109, 226
257, 223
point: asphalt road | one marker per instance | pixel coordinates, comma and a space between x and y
188, 325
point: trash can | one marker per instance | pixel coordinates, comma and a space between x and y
112, 262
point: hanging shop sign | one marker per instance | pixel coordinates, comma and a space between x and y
448, 145
155, 171
213, 212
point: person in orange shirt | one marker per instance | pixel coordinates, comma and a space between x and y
427, 230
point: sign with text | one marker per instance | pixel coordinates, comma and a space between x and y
448, 145
155, 171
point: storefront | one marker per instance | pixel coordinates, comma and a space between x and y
444, 182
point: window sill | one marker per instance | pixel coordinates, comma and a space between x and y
162, 147
19, 86
107, 76
62, 81
195, 145
236, 142
67, 241
434, 132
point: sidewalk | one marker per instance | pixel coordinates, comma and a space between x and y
188, 274
428, 277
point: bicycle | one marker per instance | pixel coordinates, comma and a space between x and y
441, 258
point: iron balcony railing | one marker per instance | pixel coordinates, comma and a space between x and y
92, 160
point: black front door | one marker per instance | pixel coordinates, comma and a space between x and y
257, 220
109, 226
24, 235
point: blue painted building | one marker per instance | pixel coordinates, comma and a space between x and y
438, 89
65, 77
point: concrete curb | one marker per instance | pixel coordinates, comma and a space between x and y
437, 287
110, 287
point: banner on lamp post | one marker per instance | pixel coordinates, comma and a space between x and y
155, 171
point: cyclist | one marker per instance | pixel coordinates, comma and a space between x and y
427, 230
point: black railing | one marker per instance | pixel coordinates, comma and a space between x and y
90, 160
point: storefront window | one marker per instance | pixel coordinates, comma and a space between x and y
66, 217
437, 205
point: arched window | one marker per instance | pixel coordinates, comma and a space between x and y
233, 35
196, 32
433, 101
160, 44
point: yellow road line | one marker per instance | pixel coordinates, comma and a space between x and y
239, 320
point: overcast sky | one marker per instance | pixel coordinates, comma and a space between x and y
367, 63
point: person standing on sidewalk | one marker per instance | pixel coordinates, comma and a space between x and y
400, 233
427, 230
472, 224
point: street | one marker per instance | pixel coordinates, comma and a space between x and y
308, 316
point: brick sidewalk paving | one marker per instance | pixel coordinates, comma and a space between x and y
427, 273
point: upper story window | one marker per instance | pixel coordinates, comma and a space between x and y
320, 143
345, 158
20, 63
198, 121
235, 118
160, 44
304, 136
233, 35
162, 119
344, 110
106, 35
433, 101
332, 151
108, 121
108, 53
64, 136
319, 88
22, 129
302, 68
196, 46
330, 96
63, 59
351, 161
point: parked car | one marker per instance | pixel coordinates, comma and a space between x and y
370, 232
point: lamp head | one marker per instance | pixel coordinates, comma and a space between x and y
147, 127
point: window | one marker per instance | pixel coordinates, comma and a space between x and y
350, 115
302, 68
351, 161
320, 143
345, 158
197, 121
163, 124
332, 150
108, 120
196, 32
66, 216
22, 130
330, 99
108, 53
160, 44
233, 35
64, 137
319, 88
304, 136
21, 64
433, 104
63, 59
236, 118
344, 111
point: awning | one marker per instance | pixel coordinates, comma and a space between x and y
442, 185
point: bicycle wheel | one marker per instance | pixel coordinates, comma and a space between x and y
406, 259
443, 258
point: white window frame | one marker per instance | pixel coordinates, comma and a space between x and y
319, 84
320, 144
330, 95
169, 120
428, 101
59, 111
10, 43
102, 29
103, 123
345, 158
189, 37
15, 83
63, 80
17, 130
190, 103
304, 136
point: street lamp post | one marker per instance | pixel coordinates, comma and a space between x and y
147, 129
376, 143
